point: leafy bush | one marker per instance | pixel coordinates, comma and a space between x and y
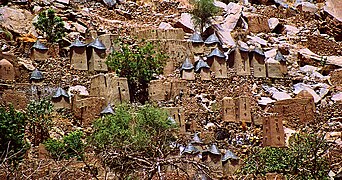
70, 146
268, 159
202, 12
138, 63
56, 148
5, 34
303, 159
39, 120
132, 137
12, 130
50, 25
74, 144
308, 156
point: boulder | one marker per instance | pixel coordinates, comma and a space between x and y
257, 23
273, 22
186, 23
333, 25
16, 20
231, 21
80, 28
291, 30
225, 36
336, 77
164, 25
233, 15
258, 40
334, 8
265, 100
66, 2
307, 7
305, 54
280, 96
337, 97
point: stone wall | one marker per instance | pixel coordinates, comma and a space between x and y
97, 60
7, 72
78, 58
114, 89
17, 98
198, 111
336, 78
87, 108
273, 131
177, 33
300, 110
39, 55
21, 93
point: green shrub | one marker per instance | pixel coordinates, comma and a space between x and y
56, 148
308, 156
12, 130
303, 159
138, 63
50, 25
5, 34
266, 160
39, 120
70, 146
202, 12
131, 134
74, 144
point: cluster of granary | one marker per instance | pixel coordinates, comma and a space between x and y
218, 62
222, 163
104, 89
83, 56
86, 104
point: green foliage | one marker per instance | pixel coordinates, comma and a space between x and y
56, 148
323, 61
308, 152
50, 25
303, 159
70, 146
5, 34
139, 63
12, 130
143, 131
268, 159
135, 127
202, 12
39, 120
113, 129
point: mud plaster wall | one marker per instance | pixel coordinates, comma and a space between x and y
216, 89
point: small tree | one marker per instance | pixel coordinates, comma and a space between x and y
50, 25
133, 139
308, 156
70, 146
202, 12
303, 159
39, 120
12, 143
138, 63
